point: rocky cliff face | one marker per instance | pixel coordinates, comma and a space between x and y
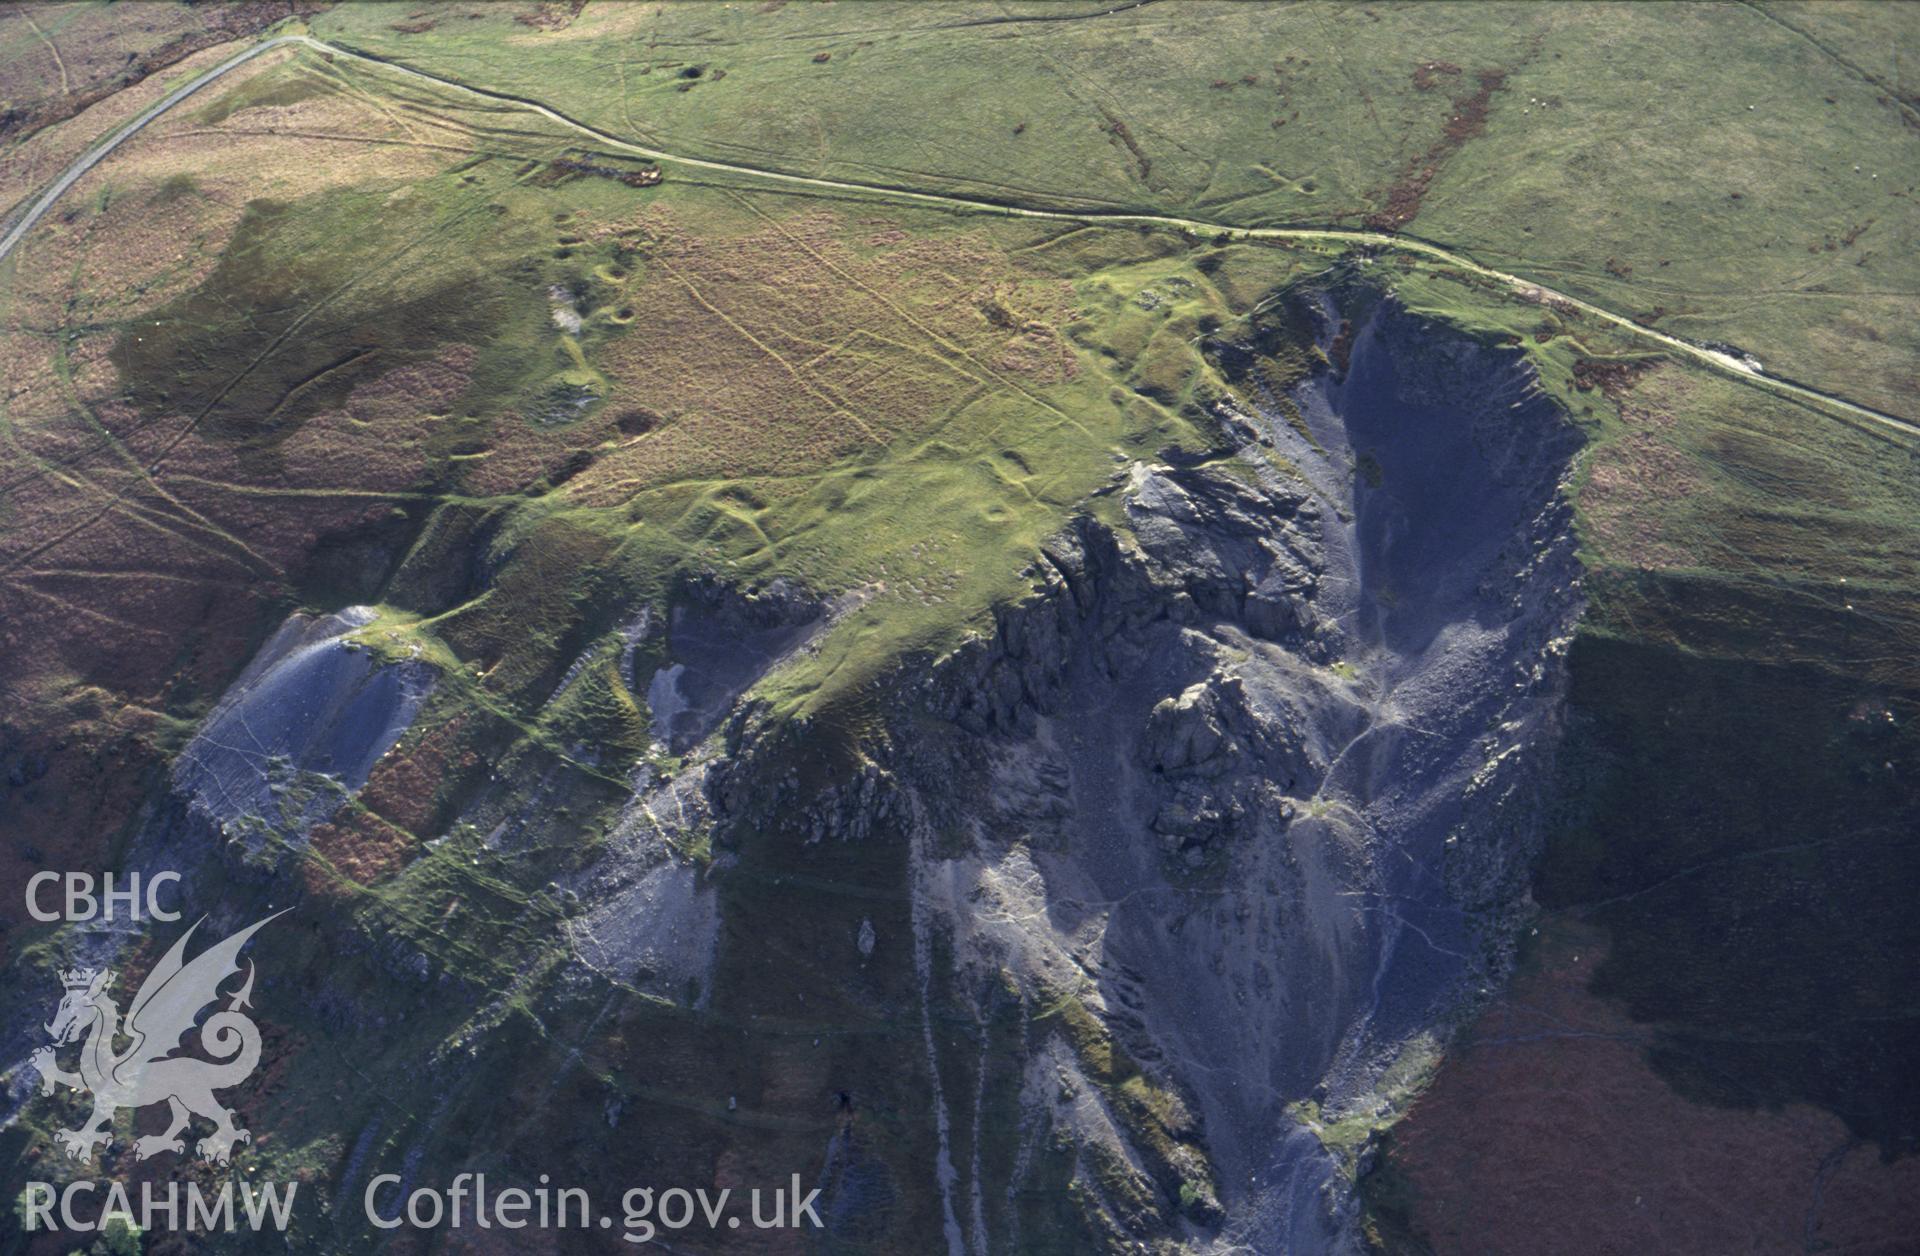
1233, 808
1127, 922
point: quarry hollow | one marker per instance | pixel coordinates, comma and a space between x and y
1190, 861
1254, 776
1295, 629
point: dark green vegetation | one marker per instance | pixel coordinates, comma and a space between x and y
1749, 846
1744, 772
313, 299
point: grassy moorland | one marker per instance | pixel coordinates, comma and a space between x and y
847, 393
331, 334
1727, 172
70, 72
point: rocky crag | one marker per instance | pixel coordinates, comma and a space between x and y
1129, 921
1229, 819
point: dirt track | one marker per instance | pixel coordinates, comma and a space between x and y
1725, 363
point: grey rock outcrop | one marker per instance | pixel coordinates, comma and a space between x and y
1251, 771
301, 728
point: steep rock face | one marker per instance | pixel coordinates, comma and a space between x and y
1139, 907
719, 642
1249, 781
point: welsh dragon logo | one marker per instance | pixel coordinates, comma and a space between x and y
147, 1072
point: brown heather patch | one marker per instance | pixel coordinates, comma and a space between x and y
103, 576
66, 785
361, 848
519, 452
1611, 378
153, 589
1117, 128
799, 340
143, 593
424, 388
553, 15
1428, 75
1467, 119
1041, 352
101, 53
1546, 1131
1632, 483
404, 785
336, 452
31, 384
280, 1049
1340, 352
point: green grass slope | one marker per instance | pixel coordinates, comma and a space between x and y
1725, 171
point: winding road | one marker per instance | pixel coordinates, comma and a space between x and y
1726, 363
98, 153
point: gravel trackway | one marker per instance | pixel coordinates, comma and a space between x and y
1723, 362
